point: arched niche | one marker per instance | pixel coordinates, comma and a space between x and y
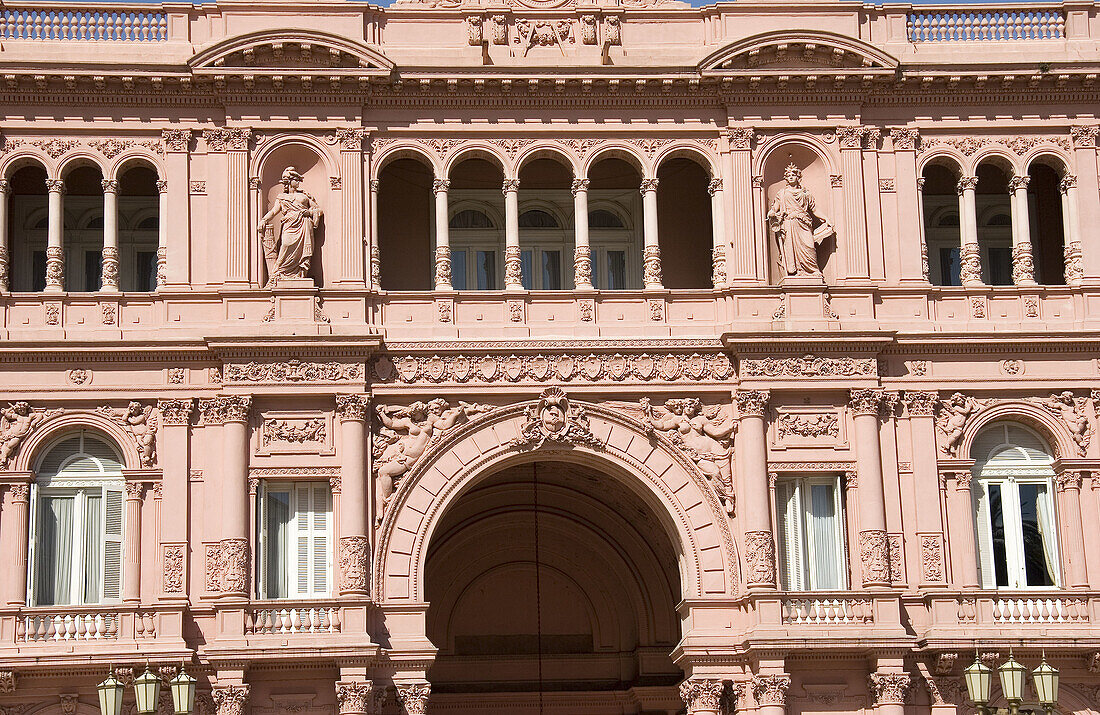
816, 179
315, 172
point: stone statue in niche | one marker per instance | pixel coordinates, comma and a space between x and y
288, 242
798, 227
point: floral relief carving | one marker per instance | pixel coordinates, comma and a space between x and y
175, 411
231, 408
352, 407
895, 544
701, 694
172, 558
651, 265
822, 424
808, 366
7, 681
921, 403
17, 421
354, 563
233, 562
703, 434
866, 401
294, 371
555, 419
874, 556
889, 688
931, 555
231, 699
752, 403
79, 376
414, 697
771, 689
297, 432
759, 557
141, 423
354, 698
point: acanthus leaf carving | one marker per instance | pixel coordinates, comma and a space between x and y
771, 689
294, 371
809, 366
414, 697
231, 699
354, 698
702, 694
889, 688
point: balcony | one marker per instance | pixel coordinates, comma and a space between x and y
1007, 614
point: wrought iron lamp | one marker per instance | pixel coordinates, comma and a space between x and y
183, 693
979, 680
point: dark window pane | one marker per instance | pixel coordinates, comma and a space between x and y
1036, 565
486, 270
996, 521
458, 269
551, 270
146, 271
1000, 266
616, 270
537, 219
93, 270
950, 266
601, 218
38, 276
525, 270
470, 218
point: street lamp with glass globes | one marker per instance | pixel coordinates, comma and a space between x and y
979, 680
147, 693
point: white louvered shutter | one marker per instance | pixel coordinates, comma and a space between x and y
790, 521
987, 573
322, 519
112, 543
32, 563
303, 531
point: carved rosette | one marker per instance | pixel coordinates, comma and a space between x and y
865, 402
234, 566
442, 267
702, 695
513, 277
354, 558
230, 699
1023, 266
55, 267
874, 555
651, 263
413, 697
759, 558
1072, 256
109, 274
354, 698
752, 403
352, 407
889, 688
582, 267
771, 689
921, 403
718, 266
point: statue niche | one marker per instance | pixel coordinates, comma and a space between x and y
797, 224
287, 231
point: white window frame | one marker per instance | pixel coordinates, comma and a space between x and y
797, 555
1013, 528
296, 530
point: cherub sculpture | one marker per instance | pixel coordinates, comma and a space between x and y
703, 437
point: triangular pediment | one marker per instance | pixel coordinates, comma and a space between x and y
797, 51
291, 50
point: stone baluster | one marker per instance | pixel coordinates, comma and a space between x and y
176, 208
354, 549
888, 691
921, 409
1068, 484
1023, 265
970, 255
770, 692
718, 233
737, 167
513, 276
108, 281
173, 454
5, 191
55, 250
1071, 228
582, 252
131, 548
651, 253
14, 529
873, 543
440, 187
752, 462
703, 696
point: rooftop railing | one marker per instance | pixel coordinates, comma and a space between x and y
949, 25
81, 25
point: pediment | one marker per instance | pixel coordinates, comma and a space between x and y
291, 51
797, 52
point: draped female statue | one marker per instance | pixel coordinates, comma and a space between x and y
288, 245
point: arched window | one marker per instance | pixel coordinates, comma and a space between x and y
76, 522
470, 218
1017, 532
534, 218
602, 218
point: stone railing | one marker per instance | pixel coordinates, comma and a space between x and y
967, 25
85, 624
828, 609
79, 24
280, 619
1040, 610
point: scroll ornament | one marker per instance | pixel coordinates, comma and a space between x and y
555, 419
702, 434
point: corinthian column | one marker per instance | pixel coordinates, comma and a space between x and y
413, 697
1071, 230
752, 456
375, 254
354, 698
970, 256
109, 271
873, 548
231, 699
718, 231
5, 191
1087, 200
770, 692
888, 692
354, 546
582, 252
1023, 266
442, 235
55, 252
651, 253
703, 696
513, 277
231, 412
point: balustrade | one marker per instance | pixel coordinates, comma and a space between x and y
107, 25
293, 619
821, 610
86, 624
950, 25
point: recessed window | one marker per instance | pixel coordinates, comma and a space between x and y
536, 218
811, 534
470, 218
295, 524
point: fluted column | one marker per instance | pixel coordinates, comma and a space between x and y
375, 254
922, 233
351, 204
1087, 200
55, 251
1023, 265
354, 549
442, 235
960, 514
770, 693
718, 233
5, 191
173, 454
413, 697
582, 252
873, 548
752, 458
131, 547
1069, 491
1071, 230
888, 691
109, 258
702, 696
231, 699
651, 253
14, 533
737, 167
970, 256
232, 412
513, 278
921, 408
855, 214
903, 141
238, 241
175, 216
354, 697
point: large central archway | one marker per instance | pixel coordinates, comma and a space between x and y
550, 584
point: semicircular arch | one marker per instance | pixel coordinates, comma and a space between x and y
406, 150
1041, 420
53, 428
618, 151
691, 152
808, 141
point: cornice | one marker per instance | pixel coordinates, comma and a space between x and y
998, 343
800, 343
206, 350
565, 345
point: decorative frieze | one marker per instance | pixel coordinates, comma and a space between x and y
294, 371
1015, 144
809, 366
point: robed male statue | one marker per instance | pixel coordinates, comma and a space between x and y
797, 225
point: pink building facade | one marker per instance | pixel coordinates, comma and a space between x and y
547, 356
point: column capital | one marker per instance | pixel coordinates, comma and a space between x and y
374, 184
904, 138
134, 491
231, 699
1018, 182
441, 186
966, 183
176, 411
110, 186
20, 491
921, 403
162, 186
648, 185
1069, 181
771, 689
414, 697
702, 694
509, 185
176, 140
714, 186
740, 138
351, 139
55, 186
227, 138
1084, 136
752, 403
230, 408
354, 698
850, 137
352, 407
579, 185
920, 183
865, 401
1068, 479
889, 688
5, 186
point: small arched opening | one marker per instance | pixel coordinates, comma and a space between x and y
405, 225
139, 227
476, 225
685, 225
993, 211
1046, 214
28, 226
545, 221
942, 226
616, 249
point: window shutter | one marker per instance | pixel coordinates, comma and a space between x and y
112, 543
986, 571
32, 564
790, 547
261, 541
302, 508
322, 511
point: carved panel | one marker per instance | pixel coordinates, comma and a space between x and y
283, 432
293, 371
807, 427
